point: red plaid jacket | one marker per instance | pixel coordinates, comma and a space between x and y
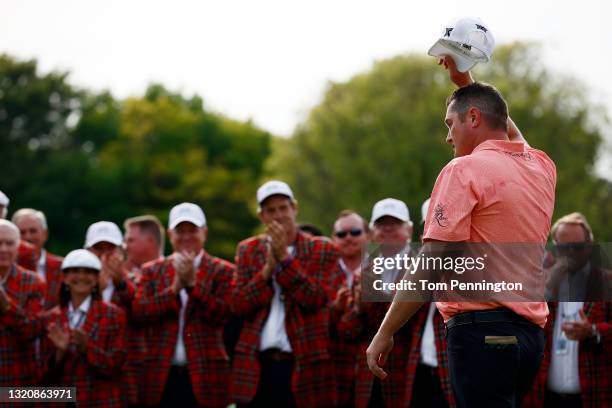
136, 343
362, 324
345, 351
208, 309
54, 278
594, 360
26, 255
417, 324
96, 373
19, 327
309, 283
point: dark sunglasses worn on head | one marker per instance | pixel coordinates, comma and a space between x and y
355, 232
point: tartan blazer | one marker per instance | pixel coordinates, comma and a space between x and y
344, 351
361, 324
208, 309
417, 324
96, 373
394, 386
309, 282
136, 343
54, 278
19, 328
594, 359
26, 255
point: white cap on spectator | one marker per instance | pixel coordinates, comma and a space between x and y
424, 209
103, 231
271, 188
4, 200
186, 212
467, 40
391, 207
81, 258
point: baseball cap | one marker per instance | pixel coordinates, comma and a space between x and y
81, 258
271, 188
4, 200
103, 231
391, 207
467, 40
424, 209
186, 212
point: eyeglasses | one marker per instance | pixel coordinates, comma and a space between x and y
355, 232
572, 246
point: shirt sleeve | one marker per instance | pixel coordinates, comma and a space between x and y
453, 199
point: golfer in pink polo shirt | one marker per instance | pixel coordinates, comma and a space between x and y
497, 190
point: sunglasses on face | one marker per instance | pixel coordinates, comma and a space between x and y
573, 246
355, 232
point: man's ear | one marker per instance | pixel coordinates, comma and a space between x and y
296, 207
474, 116
259, 215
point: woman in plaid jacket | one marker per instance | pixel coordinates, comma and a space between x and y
86, 340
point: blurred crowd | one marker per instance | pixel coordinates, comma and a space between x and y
283, 325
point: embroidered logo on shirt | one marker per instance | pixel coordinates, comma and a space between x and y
523, 155
439, 215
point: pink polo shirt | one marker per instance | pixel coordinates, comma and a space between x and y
503, 192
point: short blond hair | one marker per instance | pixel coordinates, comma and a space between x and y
148, 224
574, 218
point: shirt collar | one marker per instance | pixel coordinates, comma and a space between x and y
198, 259
83, 307
42, 260
501, 145
5, 278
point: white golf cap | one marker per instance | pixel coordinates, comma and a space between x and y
103, 231
424, 209
186, 212
271, 188
391, 207
467, 40
4, 200
81, 258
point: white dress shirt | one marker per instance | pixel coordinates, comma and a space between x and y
107, 293
563, 374
41, 266
76, 317
393, 274
274, 333
180, 353
350, 274
428, 342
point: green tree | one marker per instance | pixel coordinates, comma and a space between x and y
83, 156
170, 149
381, 134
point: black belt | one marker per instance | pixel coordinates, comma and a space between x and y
485, 316
276, 354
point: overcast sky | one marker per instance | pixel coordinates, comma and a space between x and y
270, 60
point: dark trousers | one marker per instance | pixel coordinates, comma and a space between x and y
554, 400
274, 388
486, 374
178, 391
427, 389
